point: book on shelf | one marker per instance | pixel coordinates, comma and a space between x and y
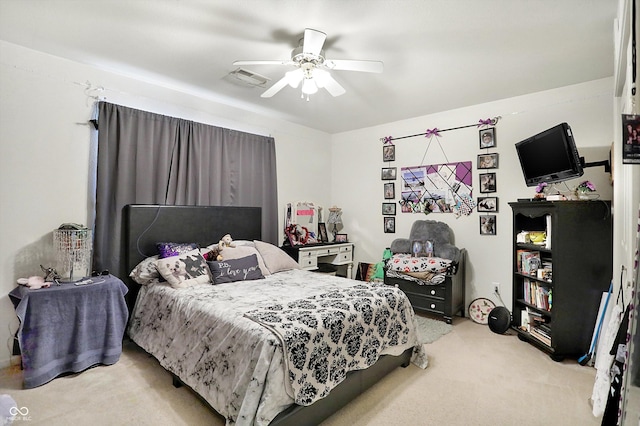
528, 261
537, 294
534, 332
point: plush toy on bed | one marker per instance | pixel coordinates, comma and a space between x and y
226, 241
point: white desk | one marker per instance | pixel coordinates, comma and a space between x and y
309, 257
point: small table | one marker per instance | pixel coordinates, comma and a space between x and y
69, 328
310, 256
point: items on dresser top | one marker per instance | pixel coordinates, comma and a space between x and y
69, 327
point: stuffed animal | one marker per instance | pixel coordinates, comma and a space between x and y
214, 254
35, 282
226, 241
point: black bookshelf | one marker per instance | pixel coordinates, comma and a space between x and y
579, 253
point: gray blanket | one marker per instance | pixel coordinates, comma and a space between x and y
69, 328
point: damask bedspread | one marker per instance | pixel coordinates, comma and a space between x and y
200, 334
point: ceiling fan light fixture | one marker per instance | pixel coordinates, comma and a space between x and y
309, 86
320, 77
294, 78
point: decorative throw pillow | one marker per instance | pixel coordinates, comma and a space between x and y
275, 259
231, 270
402, 262
184, 270
244, 251
421, 248
174, 249
146, 271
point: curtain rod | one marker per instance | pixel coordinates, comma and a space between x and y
436, 132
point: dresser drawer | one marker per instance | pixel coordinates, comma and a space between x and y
345, 257
426, 303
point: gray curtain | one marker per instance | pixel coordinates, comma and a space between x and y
147, 158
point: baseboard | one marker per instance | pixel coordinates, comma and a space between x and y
13, 360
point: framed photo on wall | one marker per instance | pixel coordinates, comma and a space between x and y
487, 137
488, 224
488, 182
487, 204
389, 225
389, 153
630, 139
388, 209
389, 191
488, 161
389, 173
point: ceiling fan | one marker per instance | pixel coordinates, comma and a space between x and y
312, 68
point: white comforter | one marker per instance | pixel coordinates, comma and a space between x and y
200, 334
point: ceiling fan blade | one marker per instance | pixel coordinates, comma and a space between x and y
313, 41
354, 65
329, 83
277, 86
274, 62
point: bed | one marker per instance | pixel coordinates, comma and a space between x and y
238, 344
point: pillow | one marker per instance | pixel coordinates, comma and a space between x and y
174, 249
275, 258
146, 271
244, 251
421, 248
184, 270
402, 262
231, 270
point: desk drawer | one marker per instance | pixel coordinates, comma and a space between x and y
327, 251
345, 257
307, 260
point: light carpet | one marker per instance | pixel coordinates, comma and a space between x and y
475, 377
430, 330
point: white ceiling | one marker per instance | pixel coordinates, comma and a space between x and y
438, 54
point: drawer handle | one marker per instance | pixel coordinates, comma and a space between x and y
433, 292
433, 306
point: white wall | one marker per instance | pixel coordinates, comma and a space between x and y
357, 160
46, 154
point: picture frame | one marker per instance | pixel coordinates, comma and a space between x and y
488, 224
487, 137
630, 139
488, 183
389, 191
488, 161
487, 204
388, 209
389, 153
389, 173
341, 238
322, 233
389, 225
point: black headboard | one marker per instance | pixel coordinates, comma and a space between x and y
146, 224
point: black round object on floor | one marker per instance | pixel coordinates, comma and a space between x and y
499, 319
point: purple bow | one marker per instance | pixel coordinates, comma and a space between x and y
432, 132
387, 139
486, 122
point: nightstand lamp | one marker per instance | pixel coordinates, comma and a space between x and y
73, 243
335, 219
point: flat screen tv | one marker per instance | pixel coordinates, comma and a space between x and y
550, 156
